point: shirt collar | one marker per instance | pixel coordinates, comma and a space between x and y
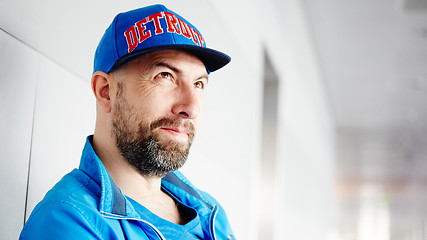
112, 201
114, 204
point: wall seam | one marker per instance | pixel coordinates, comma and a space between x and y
81, 78
31, 146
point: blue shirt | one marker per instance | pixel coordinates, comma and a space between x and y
191, 230
87, 204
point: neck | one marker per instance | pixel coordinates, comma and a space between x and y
131, 182
143, 189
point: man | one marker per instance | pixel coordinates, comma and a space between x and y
151, 67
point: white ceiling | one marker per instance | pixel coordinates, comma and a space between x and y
374, 60
374, 57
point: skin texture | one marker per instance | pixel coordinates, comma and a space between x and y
152, 102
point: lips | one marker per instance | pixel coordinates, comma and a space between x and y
176, 130
174, 127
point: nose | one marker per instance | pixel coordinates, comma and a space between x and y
187, 102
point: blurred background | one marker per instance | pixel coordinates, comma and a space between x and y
315, 130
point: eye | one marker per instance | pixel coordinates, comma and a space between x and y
199, 84
165, 75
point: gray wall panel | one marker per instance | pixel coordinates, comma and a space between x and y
64, 115
19, 69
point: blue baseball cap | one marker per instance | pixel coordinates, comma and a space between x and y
148, 29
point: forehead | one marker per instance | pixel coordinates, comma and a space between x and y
177, 58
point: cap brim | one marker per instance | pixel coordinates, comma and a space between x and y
212, 59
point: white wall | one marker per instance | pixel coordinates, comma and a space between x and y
46, 113
64, 114
16, 117
226, 156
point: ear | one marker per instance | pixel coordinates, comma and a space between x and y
101, 87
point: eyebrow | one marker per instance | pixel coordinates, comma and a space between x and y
163, 64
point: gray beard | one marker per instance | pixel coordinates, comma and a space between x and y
141, 148
149, 158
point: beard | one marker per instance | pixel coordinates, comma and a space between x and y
142, 147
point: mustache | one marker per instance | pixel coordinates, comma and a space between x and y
170, 122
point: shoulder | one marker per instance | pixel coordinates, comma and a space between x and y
61, 219
75, 189
69, 207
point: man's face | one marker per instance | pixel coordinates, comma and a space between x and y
156, 109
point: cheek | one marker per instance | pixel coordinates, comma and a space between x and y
145, 89
156, 105
201, 104
151, 91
